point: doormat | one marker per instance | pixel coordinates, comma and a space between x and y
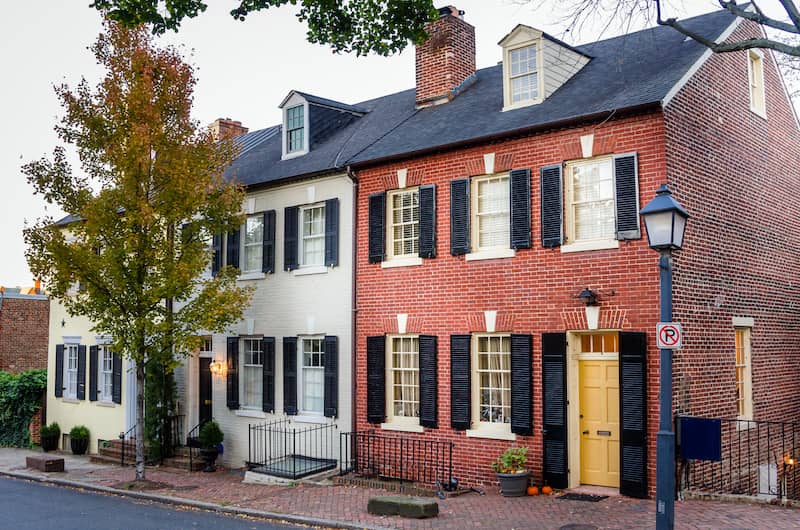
582, 497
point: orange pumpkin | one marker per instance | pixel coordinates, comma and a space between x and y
533, 490
547, 490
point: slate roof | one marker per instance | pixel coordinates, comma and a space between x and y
627, 72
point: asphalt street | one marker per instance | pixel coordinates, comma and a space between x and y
32, 506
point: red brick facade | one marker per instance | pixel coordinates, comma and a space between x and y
734, 171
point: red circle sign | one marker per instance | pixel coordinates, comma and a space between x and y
669, 335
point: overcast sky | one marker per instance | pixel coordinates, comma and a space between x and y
245, 69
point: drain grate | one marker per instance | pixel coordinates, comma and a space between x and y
582, 497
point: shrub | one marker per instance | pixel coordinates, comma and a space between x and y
50, 431
210, 435
20, 398
79, 432
511, 461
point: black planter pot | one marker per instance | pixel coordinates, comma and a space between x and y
79, 445
210, 458
49, 443
513, 484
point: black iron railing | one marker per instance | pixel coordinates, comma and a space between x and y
402, 458
758, 458
127, 444
170, 436
193, 443
291, 450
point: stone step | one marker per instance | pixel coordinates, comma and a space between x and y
103, 459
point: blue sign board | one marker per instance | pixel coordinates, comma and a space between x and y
700, 438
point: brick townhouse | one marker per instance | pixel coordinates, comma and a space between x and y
505, 193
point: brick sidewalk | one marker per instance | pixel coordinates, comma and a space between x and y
347, 503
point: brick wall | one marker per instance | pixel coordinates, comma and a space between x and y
23, 333
736, 173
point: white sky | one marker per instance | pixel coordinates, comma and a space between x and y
245, 69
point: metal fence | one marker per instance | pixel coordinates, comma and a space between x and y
402, 458
291, 450
758, 458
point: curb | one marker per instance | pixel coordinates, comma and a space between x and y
201, 505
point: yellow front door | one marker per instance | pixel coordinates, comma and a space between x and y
599, 421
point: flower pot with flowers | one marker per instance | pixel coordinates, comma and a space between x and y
511, 472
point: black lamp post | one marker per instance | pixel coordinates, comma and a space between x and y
665, 220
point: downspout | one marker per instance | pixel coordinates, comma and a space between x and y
354, 309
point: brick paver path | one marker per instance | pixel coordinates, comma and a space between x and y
469, 511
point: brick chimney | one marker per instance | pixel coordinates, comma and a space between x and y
227, 128
446, 61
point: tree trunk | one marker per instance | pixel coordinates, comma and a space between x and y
140, 420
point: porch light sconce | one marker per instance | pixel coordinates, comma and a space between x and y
789, 461
589, 298
217, 368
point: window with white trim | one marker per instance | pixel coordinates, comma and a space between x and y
491, 381
312, 235
253, 243
403, 223
755, 75
207, 347
491, 210
524, 74
71, 371
589, 199
402, 379
312, 353
744, 390
252, 373
295, 129
105, 375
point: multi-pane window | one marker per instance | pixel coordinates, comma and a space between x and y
524, 76
493, 378
491, 207
755, 74
404, 377
253, 243
252, 373
744, 397
313, 356
590, 200
312, 230
600, 343
295, 132
105, 374
207, 346
404, 223
71, 372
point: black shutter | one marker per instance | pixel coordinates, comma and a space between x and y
520, 183
460, 402
551, 200
428, 382
290, 375
331, 394
376, 379
332, 232
633, 414
626, 189
232, 250
268, 247
427, 221
92, 373
522, 384
216, 259
59, 384
81, 372
459, 217
268, 374
377, 229
232, 381
554, 408
116, 379
290, 238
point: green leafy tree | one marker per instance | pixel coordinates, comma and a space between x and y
150, 198
360, 26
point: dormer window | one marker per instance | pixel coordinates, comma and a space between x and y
524, 74
295, 129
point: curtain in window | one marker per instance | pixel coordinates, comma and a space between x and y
253, 243
593, 200
493, 209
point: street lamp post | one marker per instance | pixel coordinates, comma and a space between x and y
665, 220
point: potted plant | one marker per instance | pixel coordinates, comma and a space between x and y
79, 439
511, 472
211, 437
49, 435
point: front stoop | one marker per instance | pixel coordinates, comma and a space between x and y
112, 454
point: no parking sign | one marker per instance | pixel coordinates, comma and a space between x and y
669, 335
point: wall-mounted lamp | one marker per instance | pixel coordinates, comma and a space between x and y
789, 460
217, 368
589, 298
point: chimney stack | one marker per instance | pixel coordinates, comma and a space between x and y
224, 128
446, 61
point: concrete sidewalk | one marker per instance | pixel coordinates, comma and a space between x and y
346, 506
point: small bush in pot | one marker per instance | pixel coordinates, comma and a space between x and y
79, 439
211, 437
511, 472
49, 435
